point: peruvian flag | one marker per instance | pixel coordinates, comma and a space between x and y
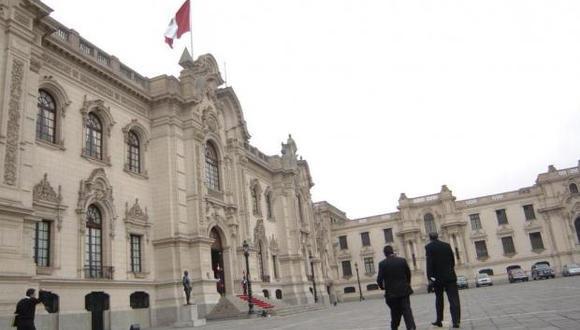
178, 25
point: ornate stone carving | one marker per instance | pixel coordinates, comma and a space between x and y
97, 189
99, 107
260, 232
274, 245
137, 220
11, 157
43, 191
135, 212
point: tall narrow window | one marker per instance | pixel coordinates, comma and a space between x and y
573, 188
342, 242
508, 245
346, 269
275, 266
300, 211
212, 178
255, 200
365, 239
475, 221
529, 212
429, 223
94, 137
577, 226
388, 232
42, 243
133, 153
261, 260
269, 204
93, 243
369, 265
501, 217
46, 117
536, 241
136, 254
480, 249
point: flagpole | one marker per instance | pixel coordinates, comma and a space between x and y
191, 30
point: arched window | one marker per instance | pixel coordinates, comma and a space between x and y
573, 188
133, 152
278, 294
139, 299
94, 137
429, 223
46, 117
212, 176
577, 225
94, 243
269, 204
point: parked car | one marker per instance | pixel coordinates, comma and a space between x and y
483, 279
542, 270
571, 270
517, 275
462, 282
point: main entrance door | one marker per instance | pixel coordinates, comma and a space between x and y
217, 260
97, 303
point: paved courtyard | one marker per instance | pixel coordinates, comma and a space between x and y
546, 304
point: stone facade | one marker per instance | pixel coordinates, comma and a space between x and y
536, 223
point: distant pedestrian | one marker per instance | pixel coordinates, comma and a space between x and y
186, 287
441, 273
395, 278
25, 310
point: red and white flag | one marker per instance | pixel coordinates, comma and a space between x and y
178, 25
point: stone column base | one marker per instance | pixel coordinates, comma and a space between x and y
188, 317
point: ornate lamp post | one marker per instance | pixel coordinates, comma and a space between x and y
358, 280
246, 248
313, 280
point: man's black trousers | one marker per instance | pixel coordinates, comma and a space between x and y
452, 296
401, 307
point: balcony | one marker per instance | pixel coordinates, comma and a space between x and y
99, 272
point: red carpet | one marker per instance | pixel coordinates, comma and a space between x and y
256, 302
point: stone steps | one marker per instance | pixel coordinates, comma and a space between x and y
290, 310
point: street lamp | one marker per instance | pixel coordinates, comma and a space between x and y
313, 281
246, 248
358, 280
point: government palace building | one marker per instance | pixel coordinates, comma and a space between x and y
113, 184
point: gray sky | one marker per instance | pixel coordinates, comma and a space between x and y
384, 96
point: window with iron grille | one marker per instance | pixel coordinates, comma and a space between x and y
429, 223
346, 269
501, 217
133, 152
475, 221
388, 232
46, 117
369, 265
480, 249
350, 289
212, 178
342, 242
42, 243
94, 137
136, 254
139, 299
365, 239
529, 212
536, 241
508, 245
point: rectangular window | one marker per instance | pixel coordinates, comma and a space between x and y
342, 242
529, 212
388, 235
508, 245
536, 240
42, 243
501, 217
365, 238
346, 270
475, 221
136, 254
369, 265
480, 249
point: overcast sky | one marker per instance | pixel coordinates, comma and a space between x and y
381, 97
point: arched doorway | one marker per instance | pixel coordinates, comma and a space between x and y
217, 260
577, 225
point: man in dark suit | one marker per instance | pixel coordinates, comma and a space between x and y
395, 278
441, 272
25, 310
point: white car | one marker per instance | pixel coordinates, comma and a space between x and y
483, 280
571, 270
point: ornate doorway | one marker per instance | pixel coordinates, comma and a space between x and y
217, 260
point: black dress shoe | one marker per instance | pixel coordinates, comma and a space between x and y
437, 324
456, 325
